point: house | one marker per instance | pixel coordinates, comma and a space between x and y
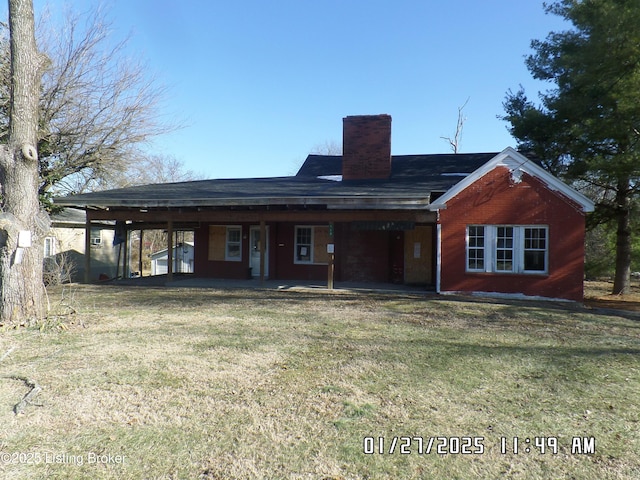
183, 259
65, 245
485, 222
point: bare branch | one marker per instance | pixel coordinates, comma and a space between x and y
98, 105
18, 409
454, 142
7, 353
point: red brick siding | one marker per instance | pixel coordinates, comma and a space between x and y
287, 269
496, 200
362, 256
203, 267
366, 149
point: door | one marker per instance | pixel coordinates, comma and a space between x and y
418, 255
256, 250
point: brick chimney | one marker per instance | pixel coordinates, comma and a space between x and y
366, 147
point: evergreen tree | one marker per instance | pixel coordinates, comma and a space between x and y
587, 127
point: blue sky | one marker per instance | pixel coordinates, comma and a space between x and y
260, 83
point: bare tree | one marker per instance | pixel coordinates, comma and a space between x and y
98, 106
22, 224
329, 147
454, 142
150, 169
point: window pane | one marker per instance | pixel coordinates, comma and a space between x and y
475, 248
234, 243
504, 260
303, 244
49, 246
303, 253
534, 260
504, 249
535, 249
303, 236
233, 250
234, 235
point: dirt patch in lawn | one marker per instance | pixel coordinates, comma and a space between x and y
597, 294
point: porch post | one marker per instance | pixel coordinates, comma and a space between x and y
438, 256
263, 247
140, 253
87, 249
331, 252
169, 250
125, 257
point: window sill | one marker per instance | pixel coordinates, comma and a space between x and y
508, 274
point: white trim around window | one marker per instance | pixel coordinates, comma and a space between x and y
507, 249
49, 246
303, 252
233, 244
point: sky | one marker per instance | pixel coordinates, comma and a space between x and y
258, 85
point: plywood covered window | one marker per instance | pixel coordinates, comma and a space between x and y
311, 244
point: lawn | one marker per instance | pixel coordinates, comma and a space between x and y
239, 384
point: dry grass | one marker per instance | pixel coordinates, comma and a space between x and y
215, 384
598, 295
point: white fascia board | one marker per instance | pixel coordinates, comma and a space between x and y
516, 163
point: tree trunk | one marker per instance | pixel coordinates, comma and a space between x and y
22, 223
622, 280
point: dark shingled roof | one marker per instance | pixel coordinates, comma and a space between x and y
413, 166
412, 177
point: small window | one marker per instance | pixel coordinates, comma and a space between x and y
304, 243
475, 250
96, 236
234, 244
49, 246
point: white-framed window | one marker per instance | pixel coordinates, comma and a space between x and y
95, 236
508, 249
49, 246
304, 245
233, 246
504, 249
535, 249
475, 248
310, 244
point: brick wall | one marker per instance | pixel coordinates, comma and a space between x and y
496, 200
362, 256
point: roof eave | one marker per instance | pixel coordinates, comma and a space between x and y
332, 202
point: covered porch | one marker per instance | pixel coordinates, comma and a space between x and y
305, 245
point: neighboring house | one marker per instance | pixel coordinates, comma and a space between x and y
486, 222
64, 246
183, 259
